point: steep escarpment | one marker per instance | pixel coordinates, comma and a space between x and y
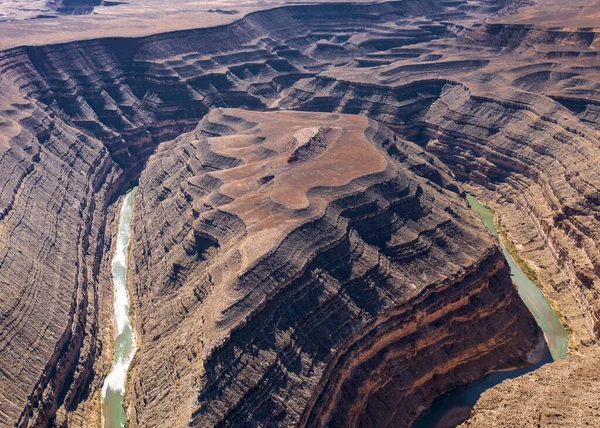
77, 6
510, 107
335, 285
100, 108
483, 112
54, 198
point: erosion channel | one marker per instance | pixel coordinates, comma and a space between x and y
455, 406
113, 413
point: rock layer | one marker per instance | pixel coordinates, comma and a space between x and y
509, 105
510, 128
562, 394
74, 117
52, 226
322, 286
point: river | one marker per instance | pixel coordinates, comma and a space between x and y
455, 406
113, 390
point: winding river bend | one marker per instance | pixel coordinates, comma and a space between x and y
446, 411
454, 407
113, 390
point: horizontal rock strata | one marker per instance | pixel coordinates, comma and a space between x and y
510, 105
74, 115
279, 285
530, 155
562, 394
54, 198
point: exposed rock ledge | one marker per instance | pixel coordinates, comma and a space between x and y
561, 394
523, 126
74, 116
337, 288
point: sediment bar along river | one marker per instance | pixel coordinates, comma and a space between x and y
113, 391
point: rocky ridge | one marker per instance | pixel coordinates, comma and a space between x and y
317, 287
509, 106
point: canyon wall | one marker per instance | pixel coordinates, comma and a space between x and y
289, 268
502, 106
54, 200
510, 107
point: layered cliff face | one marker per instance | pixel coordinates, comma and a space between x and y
54, 198
511, 109
510, 106
294, 268
81, 118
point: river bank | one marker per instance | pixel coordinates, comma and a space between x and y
556, 335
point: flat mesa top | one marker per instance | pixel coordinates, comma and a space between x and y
292, 166
305, 151
32, 26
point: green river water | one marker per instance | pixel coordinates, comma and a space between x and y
113, 413
454, 407
556, 335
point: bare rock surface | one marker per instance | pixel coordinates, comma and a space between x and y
78, 122
54, 196
277, 288
505, 94
42, 22
562, 394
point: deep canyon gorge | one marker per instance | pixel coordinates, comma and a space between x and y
301, 250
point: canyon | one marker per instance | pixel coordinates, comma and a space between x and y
302, 253
318, 281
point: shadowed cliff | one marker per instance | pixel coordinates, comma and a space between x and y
315, 276
510, 108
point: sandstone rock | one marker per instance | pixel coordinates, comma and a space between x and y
341, 288
507, 102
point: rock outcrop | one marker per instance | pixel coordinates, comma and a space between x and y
562, 394
511, 129
294, 268
508, 103
55, 191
